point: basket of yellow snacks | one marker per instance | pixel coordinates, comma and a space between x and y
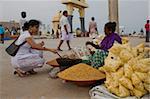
81, 74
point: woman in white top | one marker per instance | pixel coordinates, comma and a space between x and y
30, 55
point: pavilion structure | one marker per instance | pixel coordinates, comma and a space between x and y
81, 5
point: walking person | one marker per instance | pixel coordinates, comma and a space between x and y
29, 55
147, 28
22, 20
92, 27
65, 31
2, 31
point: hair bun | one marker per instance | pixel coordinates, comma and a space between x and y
25, 26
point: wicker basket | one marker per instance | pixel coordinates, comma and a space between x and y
81, 74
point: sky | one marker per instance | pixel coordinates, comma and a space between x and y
132, 13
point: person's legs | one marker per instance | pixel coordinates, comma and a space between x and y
147, 36
2, 38
68, 43
61, 41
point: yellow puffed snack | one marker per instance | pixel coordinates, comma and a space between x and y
140, 67
142, 76
127, 46
145, 61
134, 52
141, 56
138, 93
109, 79
114, 90
125, 40
102, 69
112, 62
126, 82
116, 49
116, 76
128, 70
123, 92
140, 47
125, 55
132, 62
140, 87
135, 79
147, 86
147, 80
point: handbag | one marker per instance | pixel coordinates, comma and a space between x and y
12, 49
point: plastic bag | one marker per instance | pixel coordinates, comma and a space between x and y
138, 93
140, 67
145, 61
114, 90
126, 82
128, 70
116, 76
142, 76
125, 55
140, 87
116, 49
147, 86
109, 79
124, 92
135, 79
112, 62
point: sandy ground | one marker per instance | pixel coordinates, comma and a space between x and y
41, 86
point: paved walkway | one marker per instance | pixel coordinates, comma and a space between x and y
40, 86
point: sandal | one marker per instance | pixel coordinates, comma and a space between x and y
32, 72
20, 74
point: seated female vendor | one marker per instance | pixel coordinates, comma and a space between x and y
98, 52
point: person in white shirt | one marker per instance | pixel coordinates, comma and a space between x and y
22, 20
65, 31
29, 55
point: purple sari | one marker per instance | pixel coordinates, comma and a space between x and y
109, 40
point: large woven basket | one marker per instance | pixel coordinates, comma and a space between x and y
81, 74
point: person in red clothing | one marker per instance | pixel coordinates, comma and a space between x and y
147, 28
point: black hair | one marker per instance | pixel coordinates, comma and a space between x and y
111, 26
147, 21
30, 23
23, 14
92, 18
92, 44
64, 12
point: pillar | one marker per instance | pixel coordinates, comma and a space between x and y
82, 21
113, 12
70, 16
82, 24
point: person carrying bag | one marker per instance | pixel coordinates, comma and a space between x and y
12, 49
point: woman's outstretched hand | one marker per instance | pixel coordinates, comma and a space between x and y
53, 51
